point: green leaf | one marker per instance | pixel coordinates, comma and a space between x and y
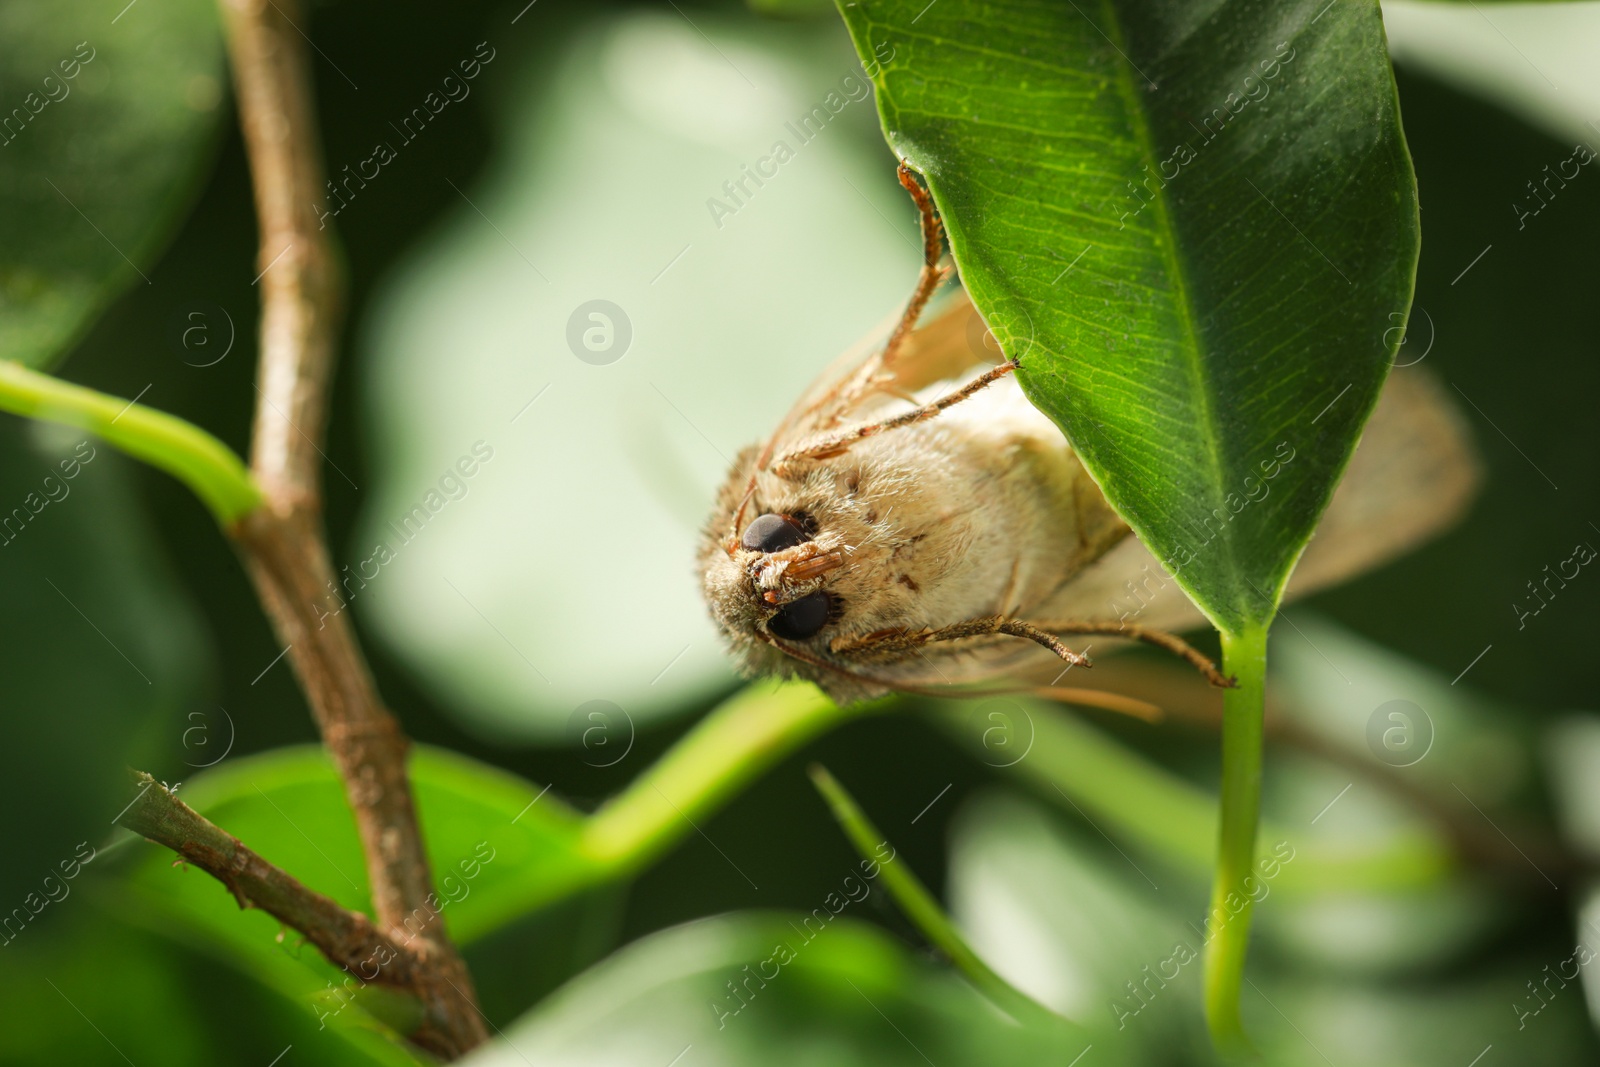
1192, 232
175, 1008
771, 988
107, 112
1071, 921
1111, 939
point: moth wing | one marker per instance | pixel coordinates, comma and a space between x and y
1413, 476
937, 350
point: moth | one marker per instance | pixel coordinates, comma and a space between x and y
915, 524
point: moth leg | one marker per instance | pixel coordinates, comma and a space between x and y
839, 443
875, 375
890, 642
1016, 628
932, 251
1159, 638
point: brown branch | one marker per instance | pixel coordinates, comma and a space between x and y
301, 284
283, 541
347, 938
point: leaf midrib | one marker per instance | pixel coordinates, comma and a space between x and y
1193, 351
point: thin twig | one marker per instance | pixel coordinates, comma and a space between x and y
347, 938
283, 541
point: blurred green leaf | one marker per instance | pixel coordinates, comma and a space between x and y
1398, 715
107, 114
1533, 59
1445, 1019
793, 9
1072, 922
1089, 930
769, 988
1084, 771
1572, 750
100, 650
99, 992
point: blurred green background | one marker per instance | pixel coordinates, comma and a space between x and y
578, 168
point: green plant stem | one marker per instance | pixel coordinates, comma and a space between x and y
191, 455
733, 745
1244, 655
922, 909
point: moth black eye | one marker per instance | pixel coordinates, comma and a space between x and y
772, 533
801, 618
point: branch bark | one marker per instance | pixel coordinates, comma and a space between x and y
283, 542
347, 938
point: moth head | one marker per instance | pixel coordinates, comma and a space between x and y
771, 583
791, 564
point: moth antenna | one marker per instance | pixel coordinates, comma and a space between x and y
839, 443
730, 543
1159, 638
